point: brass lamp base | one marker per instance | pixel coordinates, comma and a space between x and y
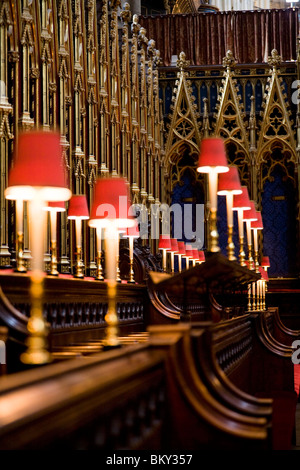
53, 263
242, 255
230, 244
111, 339
213, 235
20, 267
36, 341
99, 274
131, 273
79, 268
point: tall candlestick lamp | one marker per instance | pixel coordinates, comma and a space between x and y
249, 215
164, 245
229, 186
37, 176
241, 202
112, 211
131, 234
212, 160
78, 211
255, 226
53, 208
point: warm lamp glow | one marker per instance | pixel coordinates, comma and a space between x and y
131, 234
38, 168
255, 226
111, 204
265, 262
249, 216
229, 182
242, 200
78, 211
174, 249
181, 252
188, 254
201, 256
111, 210
164, 244
240, 203
212, 160
53, 208
195, 256
229, 185
37, 175
78, 208
212, 156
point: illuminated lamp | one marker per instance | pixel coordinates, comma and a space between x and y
131, 234
212, 160
164, 244
265, 262
229, 185
188, 254
241, 202
195, 256
78, 211
173, 251
255, 226
37, 175
54, 208
181, 253
201, 256
249, 215
111, 210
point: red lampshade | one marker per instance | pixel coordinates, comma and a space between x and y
181, 248
38, 166
78, 208
229, 182
250, 214
201, 256
258, 224
112, 204
195, 255
164, 242
212, 156
264, 274
174, 245
241, 201
189, 251
58, 206
265, 262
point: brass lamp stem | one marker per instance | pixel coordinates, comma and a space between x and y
36, 341
53, 265
131, 272
249, 297
79, 264
214, 236
230, 244
20, 268
253, 296
242, 255
111, 340
99, 275
250, 258
111, 241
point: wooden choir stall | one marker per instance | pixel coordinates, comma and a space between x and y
192, 371
117, 332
